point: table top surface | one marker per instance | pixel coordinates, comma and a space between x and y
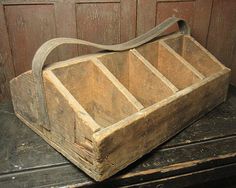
206, 149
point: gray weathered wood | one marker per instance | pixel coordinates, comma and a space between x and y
107, 110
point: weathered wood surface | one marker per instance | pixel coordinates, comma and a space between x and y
7, 71
205, 151
130, 18
222, 34
99, 108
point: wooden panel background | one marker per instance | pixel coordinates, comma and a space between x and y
26, 24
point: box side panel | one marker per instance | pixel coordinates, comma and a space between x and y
68, 131
24, 98
69, 134
118, 148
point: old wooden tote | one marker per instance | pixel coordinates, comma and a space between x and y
104, 111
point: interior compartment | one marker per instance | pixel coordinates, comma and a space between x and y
167, 64
99, 97
142, 83
195, 54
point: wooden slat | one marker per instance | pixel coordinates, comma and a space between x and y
146, 11
128, 20
170, 159
202, 15
97, 1
155, 71
37, 2
182, 60
163, 1
183, 9
99, 23
6, 63
222, 34
211, 177
66, 27
155, 166
233, 68
118, 85
28, 2
27, 31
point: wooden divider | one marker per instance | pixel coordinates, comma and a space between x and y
155, 71
124, 83
118, 85
145, 84
182, 60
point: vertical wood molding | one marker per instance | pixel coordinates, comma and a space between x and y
146, 15
6, 63
128, 20
221, 40
99, 23
29, 26
201, 21
65, 18
233, 68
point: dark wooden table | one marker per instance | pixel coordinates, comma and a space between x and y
202, 155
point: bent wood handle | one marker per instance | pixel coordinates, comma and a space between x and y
42, 53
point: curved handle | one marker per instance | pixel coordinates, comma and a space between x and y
42, 53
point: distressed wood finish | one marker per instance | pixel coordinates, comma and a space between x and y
104, 20
107, 110
196, 12
222, 34
27, 31
203, 152
7, 71
127, 18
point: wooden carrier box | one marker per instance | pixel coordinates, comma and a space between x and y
106, 110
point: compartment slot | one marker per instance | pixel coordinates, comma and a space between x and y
195, 54
95, 92
71, 100
155, 71
181, 67
170, 64
142, 83
119, 86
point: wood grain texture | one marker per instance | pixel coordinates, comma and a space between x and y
29, 26
202, 18
95, 121
155, 71
146, 11
88, 20
128, 20
142, 135
38, 164
196, 12
65, 20
168, 64
99, 23
222, 34
6, 66
233, 68
178, 9
118, 85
